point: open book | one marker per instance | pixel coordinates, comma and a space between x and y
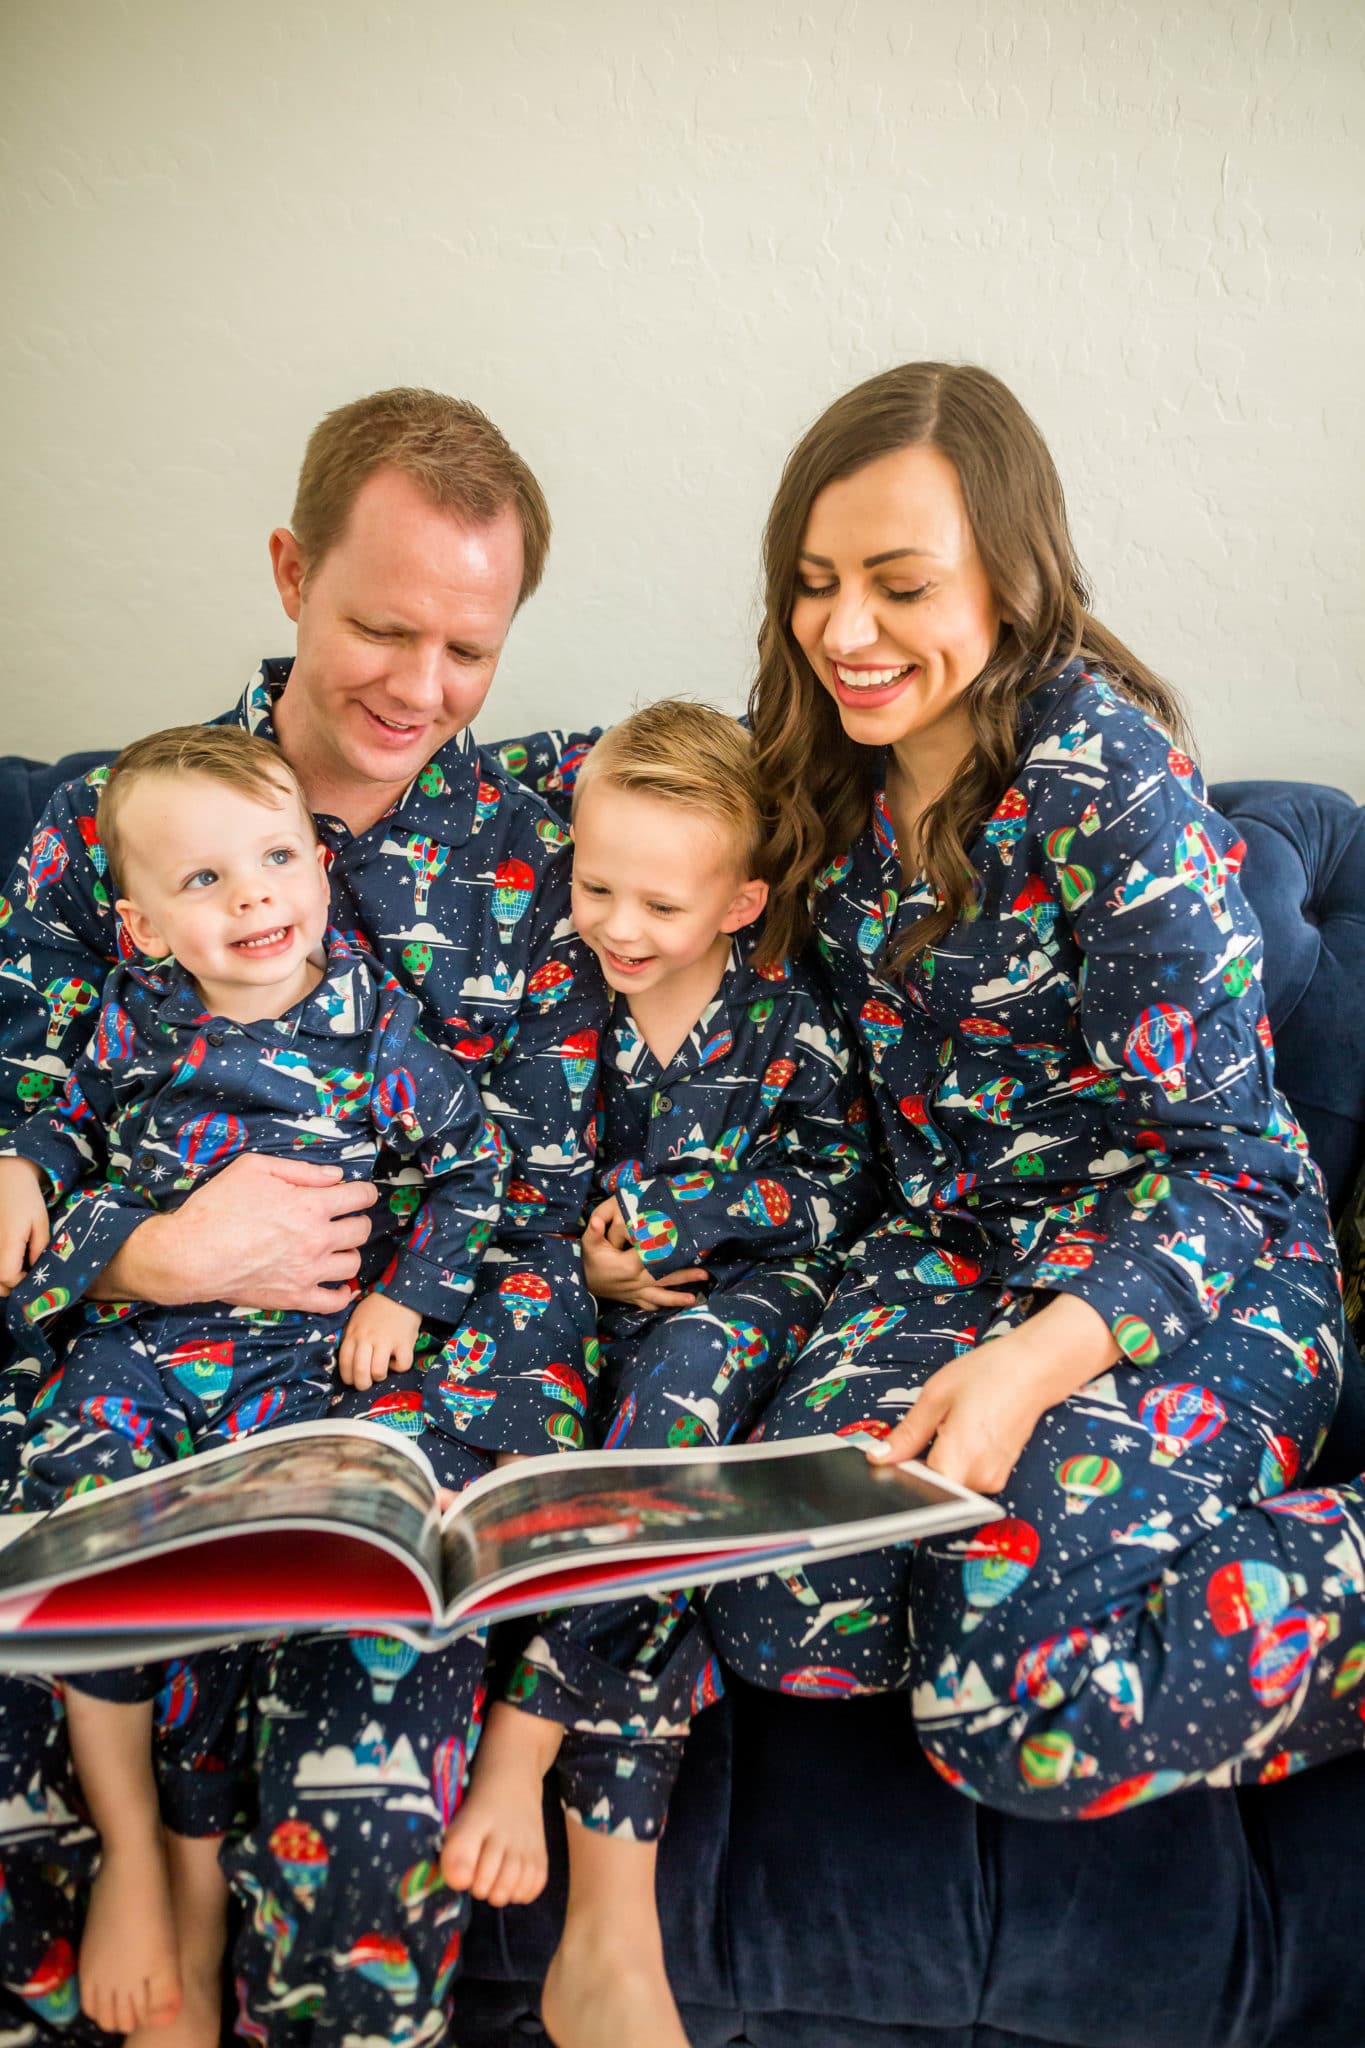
339, 1525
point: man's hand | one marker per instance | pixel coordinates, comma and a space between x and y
979, 1411
263, 1233
379, 1338
615, 1271
24, 1228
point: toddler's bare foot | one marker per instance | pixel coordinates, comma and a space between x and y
495, 1846
199, 1895
607, 1985
129, 1964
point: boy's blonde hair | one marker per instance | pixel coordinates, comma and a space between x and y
224, 753
690, 755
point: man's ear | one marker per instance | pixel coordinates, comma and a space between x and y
286, 560
141, 930
745, 905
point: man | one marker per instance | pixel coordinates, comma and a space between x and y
416, 535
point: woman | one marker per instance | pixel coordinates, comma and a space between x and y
1033, 920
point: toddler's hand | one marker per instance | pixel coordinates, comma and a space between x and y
24, 1228
615, 1271
379, 1338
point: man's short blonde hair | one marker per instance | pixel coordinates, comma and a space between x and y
446, 445
690, 755
224, 753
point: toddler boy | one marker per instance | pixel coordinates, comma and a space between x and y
255, 1029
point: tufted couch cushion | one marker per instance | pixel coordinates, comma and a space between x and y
821, 1888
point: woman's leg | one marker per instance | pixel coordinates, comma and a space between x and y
1159, 1610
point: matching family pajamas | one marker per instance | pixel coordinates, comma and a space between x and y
1075, 1091
462, 893
749, 1155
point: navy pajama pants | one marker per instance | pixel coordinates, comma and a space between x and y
626, 1679
1161, 1607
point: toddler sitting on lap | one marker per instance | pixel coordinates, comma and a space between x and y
256, 1028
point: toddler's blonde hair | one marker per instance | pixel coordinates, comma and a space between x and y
224, 753
690, 755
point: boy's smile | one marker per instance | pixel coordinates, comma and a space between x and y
658, 890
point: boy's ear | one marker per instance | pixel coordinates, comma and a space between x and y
286, 561
141, 930
745, 905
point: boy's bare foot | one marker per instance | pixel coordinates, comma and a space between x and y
495, 1846
606, 1984
199, 1896
129, 1963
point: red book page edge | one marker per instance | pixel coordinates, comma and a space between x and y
312, 1575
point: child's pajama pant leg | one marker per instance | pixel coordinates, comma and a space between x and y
1159, 1608
624, 1680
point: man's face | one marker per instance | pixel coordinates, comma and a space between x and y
400, 627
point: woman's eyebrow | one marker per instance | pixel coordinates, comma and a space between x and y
869, 561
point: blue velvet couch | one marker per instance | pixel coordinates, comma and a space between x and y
821, 1888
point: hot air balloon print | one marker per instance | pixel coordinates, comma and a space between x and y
995, 1102
655, 1236
860, 1330
1282, 1652
1040, 1672
427, 858
524, 1296
395, 1102
46, 1304
301, 1853
178, 1696
209, 1140
119, 1414
1075, 885
468, 1351
67, 1001
996, 1562
1136, 1340
513, 885
1180, 1417
1248, 1593
46, 863
445, 1969
465, 1404
717, 1046
1278, 1466
777, 1076
563, 1383
1051, 1758
398, 1408
417, 1884
1315, 1505
203, 1367
835, 872
820, 1682
881, 1027
746, 1349
257, 1412
1159, 1048
941, 1269
1198, 866
578, 1058
416, 958
1136, 1791
620, 1424
1086, 1478
1005, 827
486, 801
691, 1187
549, 985
52, 1990
1350, 1671
385, 1961
764, 1202
1061, 1262
564, 1428
385, 1660
1037, 907
114, 1040
447, 1776
731, 1146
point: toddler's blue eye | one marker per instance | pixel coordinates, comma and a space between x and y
281, 855
204, 879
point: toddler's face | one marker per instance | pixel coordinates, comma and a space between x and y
231, 885
657, 889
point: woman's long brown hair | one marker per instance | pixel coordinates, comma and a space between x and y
818, 783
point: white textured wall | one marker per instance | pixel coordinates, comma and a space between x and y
653, 241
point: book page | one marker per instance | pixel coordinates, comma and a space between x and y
344, 1475
616, 1506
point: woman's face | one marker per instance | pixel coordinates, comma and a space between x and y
893, 610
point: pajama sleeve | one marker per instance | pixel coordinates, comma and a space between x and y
426, 1112
1174, 1019
58, 940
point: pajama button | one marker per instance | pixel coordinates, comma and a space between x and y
217, 1037
661, 1105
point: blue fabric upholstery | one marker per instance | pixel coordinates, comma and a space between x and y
821, 1888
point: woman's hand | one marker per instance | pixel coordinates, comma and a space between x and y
379, 1337
975, 1415
615, 1271
24, 1230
